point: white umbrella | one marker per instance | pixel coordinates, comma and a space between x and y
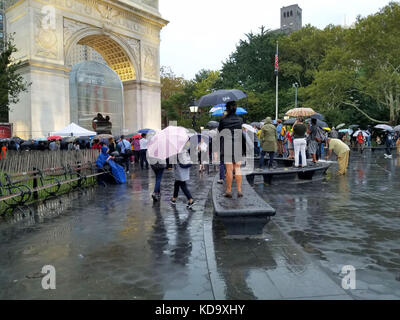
397, 128
249, 128
365, 134
340, 125
384, 127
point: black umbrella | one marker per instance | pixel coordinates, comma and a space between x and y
220, 96
212, 124
17, 139
318, 116
320, 123
290, 121
257, 124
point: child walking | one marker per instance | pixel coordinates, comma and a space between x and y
182, 174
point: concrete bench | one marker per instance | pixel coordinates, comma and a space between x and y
247, 215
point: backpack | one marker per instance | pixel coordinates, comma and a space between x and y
320, 136
283, 131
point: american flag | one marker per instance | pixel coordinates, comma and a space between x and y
276, 61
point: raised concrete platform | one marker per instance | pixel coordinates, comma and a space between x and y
247, 215
314, 172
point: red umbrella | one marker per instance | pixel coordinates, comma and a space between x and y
54, 138
138, 136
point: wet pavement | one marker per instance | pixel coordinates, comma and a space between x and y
114, 243
353, 220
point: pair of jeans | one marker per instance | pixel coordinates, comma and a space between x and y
136, 155
143, 158
221, 170
300, 148
159, 174
271, 158
388, 148
181, 184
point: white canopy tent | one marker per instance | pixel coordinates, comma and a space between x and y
73, 130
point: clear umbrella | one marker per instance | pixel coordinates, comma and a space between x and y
384, 127
365, 134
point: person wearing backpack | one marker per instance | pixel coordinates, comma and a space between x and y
182, 174
388, 145
281, 133
125, 148
315, 138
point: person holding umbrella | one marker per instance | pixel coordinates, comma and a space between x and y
299, 142
360, 141
388, 144
182, 175
232, 161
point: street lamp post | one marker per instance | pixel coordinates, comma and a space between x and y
295, 85
194, 110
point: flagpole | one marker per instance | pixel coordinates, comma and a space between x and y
277, 86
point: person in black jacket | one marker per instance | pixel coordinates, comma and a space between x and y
231, 157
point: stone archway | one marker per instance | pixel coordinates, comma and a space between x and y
125, 33
121, 54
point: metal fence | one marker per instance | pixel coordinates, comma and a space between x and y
24, 161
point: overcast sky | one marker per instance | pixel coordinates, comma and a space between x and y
203, 33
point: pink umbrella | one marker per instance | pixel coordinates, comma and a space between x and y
167, 142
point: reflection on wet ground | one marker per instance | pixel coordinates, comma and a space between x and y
114, 243
351, 220
110, 243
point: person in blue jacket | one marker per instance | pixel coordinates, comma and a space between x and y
117, 171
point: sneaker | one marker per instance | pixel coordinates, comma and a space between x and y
173, 202
220, 181
390, 156
154, 196
190, 204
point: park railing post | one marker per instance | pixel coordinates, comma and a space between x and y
35, 185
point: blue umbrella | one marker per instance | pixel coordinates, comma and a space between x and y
220, 112
145, 130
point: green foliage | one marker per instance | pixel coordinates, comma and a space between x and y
351, 75
11, 82
251, 66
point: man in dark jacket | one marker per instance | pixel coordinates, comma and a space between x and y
232, 160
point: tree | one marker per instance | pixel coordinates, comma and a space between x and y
363, 71
173, 95
251, 66
11, 82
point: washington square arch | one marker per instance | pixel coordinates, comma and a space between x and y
54, 38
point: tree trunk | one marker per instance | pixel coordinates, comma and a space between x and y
365, 114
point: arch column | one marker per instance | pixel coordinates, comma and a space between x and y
142, 102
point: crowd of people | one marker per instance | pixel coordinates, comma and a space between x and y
300, 141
